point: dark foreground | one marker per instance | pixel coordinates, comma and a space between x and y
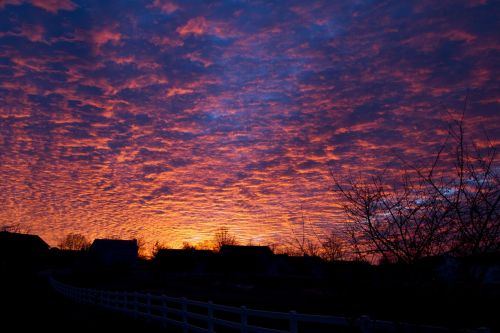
28, 304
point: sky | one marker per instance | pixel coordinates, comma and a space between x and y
166, 120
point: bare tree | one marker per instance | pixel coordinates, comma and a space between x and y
77, 242
223, 237
332, 247
471, 193
303, 242
157, 246
306, 240
142, 248
204, 245
395, 222
188, 246
429, 210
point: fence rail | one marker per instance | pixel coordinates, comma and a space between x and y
182, 312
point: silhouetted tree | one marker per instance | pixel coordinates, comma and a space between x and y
76, 242
471, 194
222, 237
188, 246
302, 242
332, 247
204, 245
157, 246
397, 222
142, 249
429, 210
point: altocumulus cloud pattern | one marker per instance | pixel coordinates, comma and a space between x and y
166, 120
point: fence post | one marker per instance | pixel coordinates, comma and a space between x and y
148, 307
184, 315
125, 302
110, 296
164, 310
244, 319
365, 324
136, 305
210, 308
294, 327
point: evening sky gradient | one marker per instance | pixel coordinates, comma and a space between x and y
166, 120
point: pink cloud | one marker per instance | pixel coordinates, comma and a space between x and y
196, 26
165, 41
196, 57
165, 6
34, 33
201, 26
178, 91
102, 37
52, 6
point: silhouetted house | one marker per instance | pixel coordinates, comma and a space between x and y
249, 260
22, 250
483, 268
250, 251
492, 274
302, 266
114, 252
59, 258
184, 261
441, 268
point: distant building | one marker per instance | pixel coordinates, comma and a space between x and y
250, 251
248, 260
483, 268
303, 266
184, 260
22, 250
114, 252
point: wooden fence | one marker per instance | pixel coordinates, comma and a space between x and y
207, 317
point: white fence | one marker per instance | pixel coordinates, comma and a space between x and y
195, 316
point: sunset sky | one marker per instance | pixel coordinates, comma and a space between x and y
166, 120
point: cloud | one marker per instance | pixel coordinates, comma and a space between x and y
168, 120
199, 26
178, 91
167, 7
102, 37
195, 26
52, 6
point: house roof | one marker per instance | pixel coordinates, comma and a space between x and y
16, 242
